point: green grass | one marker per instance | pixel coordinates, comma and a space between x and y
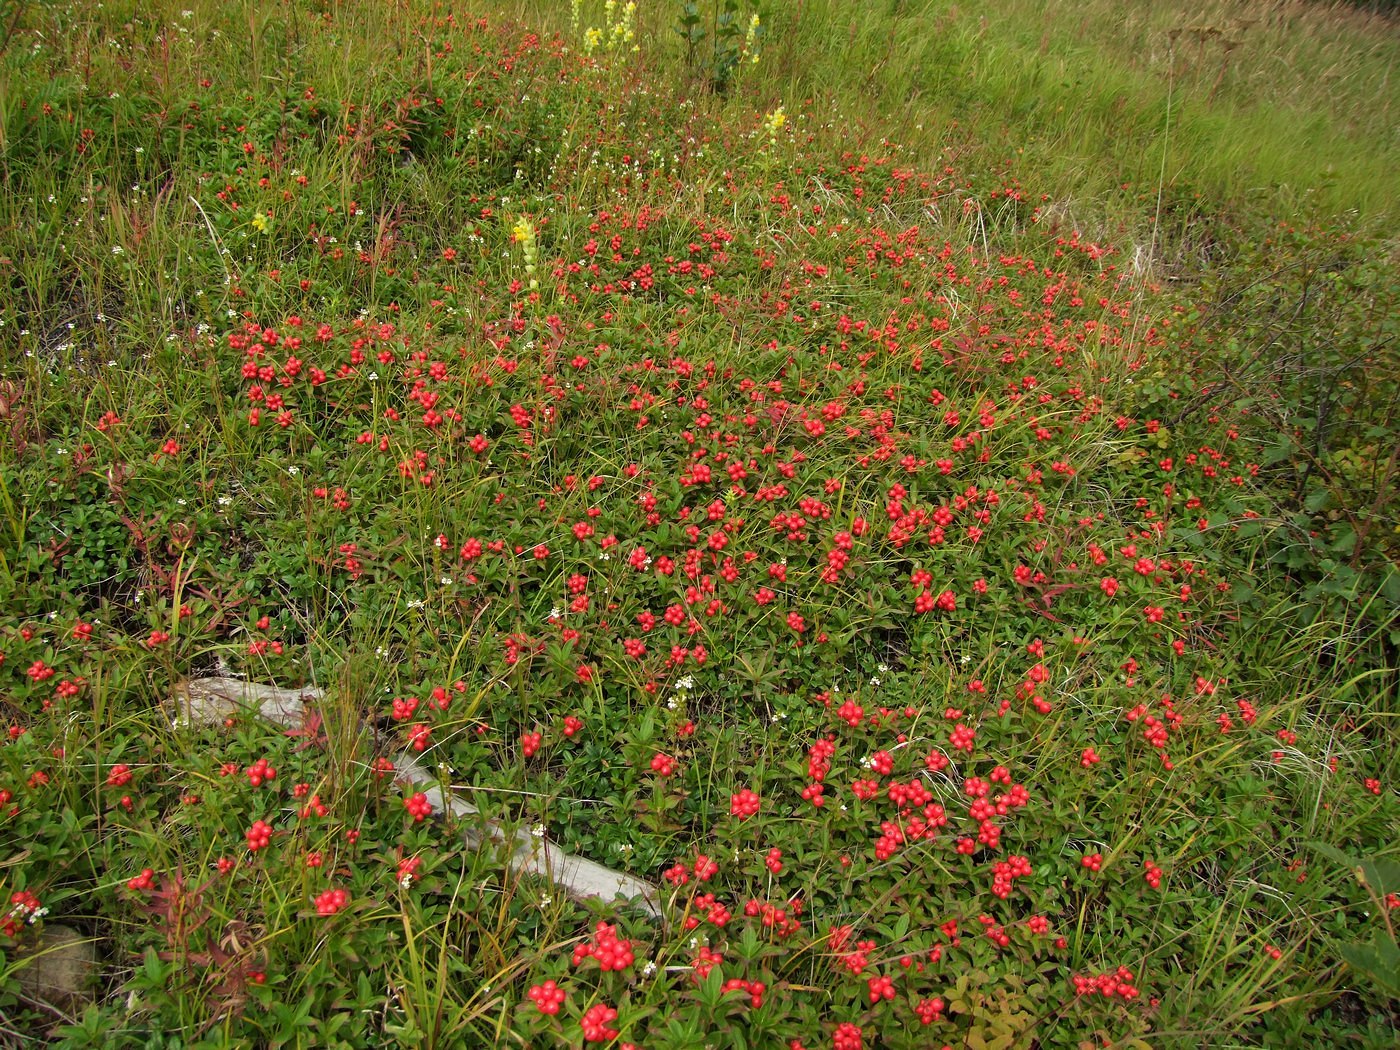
943, 539
1227, 111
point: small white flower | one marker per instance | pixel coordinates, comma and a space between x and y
446, 581
649, 968
537, 830
117, 249
416, 603
546, 900
624, 847
293, 471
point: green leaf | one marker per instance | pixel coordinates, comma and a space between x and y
1317, 500
1382, 876
1379, 960
1333, 853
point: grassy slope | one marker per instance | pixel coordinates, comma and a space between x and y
1257, 107
136, 276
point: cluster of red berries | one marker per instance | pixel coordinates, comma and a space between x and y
547, 997
1118, 983
611, 951
418, 806
929, 1010
331, 901
595, 1024
744, 804
259, 835
1152, 873
662, 765
753, 989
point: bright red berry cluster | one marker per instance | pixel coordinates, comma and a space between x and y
611, 951
595, 1024
418, 806
744, 804
547, 997
929, 1010
1118, 983
259, 835
662, 765
331, 901
881, 987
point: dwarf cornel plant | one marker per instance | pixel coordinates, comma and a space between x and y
974, 639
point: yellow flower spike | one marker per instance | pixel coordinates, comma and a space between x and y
751, 36
523, 233
262, 223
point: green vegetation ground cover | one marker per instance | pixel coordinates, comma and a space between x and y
981, 627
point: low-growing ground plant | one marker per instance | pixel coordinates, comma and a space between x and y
974, 638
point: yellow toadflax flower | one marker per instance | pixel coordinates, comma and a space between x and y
524, 235
750, 37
